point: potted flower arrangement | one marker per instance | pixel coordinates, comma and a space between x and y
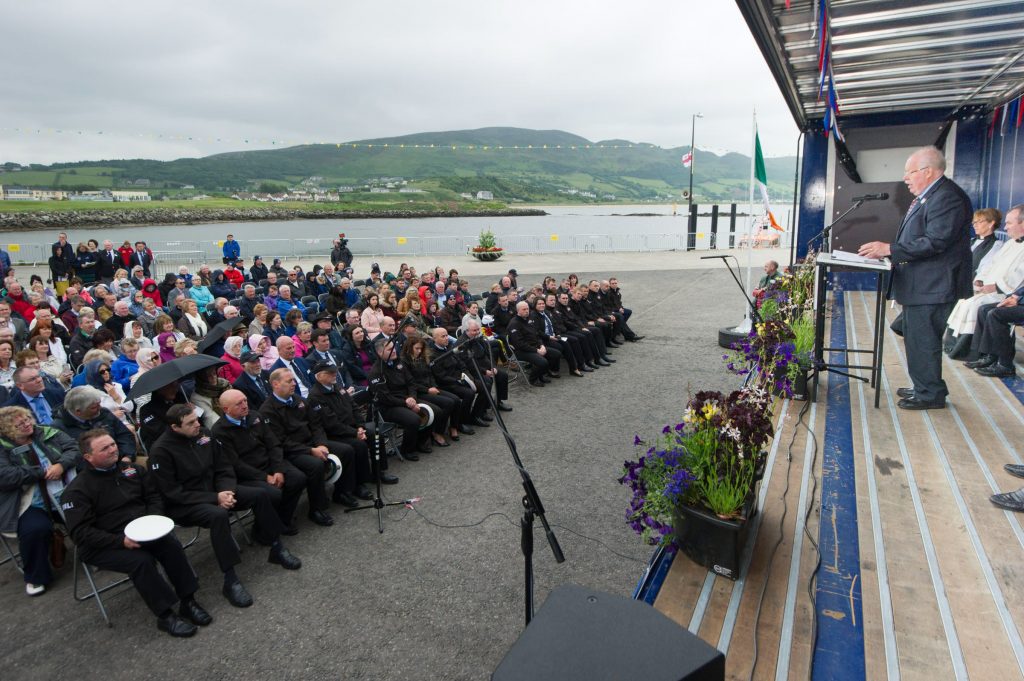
487, 248
696, 486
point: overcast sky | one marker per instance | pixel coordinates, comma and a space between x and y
150, 75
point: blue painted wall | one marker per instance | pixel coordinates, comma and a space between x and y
1003, 184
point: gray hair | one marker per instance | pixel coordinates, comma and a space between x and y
81, 397
931, 157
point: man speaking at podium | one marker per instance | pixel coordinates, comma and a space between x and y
931, 261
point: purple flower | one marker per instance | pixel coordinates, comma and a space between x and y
637, 441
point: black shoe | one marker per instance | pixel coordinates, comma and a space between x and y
343, 498
290, 531
388, 479
442, 443
454, 438
608, 360
587, 368
912, 403
544, 379
637, 338
613, 344
425, 448
577, 372
554, 374
363, 493
321, 518
485, 417
1014, 469
237, 595
176, 626
905, 392
997, 370
411, 456
194, 612
983, 361
503, 407
479, 424
1011, 501
537, 383
283, 557
466, 429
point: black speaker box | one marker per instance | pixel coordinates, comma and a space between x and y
585, 635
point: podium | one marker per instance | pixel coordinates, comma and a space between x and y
824, 265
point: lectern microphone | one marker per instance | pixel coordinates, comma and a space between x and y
884, 196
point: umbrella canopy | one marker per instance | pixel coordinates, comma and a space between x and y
175, 370
219, 333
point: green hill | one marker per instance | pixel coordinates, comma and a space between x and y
514, 163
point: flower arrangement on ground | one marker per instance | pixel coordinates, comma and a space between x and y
710, 460
486, 243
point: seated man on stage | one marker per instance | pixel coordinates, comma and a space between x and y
255, 454
995, 343
97, 506
199, 488
771, 273
996, 277
299, 429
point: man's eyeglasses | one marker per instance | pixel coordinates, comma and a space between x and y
911, 172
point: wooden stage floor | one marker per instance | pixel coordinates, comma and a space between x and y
921, 576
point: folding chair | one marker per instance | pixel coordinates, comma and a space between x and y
322, 299
306, 300
12, 555
81, 566
517, 367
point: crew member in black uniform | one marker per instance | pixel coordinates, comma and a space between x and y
199, 488
337, 410
525, 338
586, 330
256, 455
586, 354
97, 506
611, 303
447, 406
584, 308
572, 353
392, 388
448, 370
299, 429
153, 414
477, 350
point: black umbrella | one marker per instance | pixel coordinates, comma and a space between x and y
219, 333
175, 370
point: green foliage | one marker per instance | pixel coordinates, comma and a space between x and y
272, 188
486, 240
529, 173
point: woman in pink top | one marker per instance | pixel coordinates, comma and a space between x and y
372, 316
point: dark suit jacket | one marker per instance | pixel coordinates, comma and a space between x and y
246, 385
932, 254
105, 267
303, 368
54, 396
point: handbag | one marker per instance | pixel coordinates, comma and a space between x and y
58, 549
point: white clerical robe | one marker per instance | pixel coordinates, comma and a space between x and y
1005, 270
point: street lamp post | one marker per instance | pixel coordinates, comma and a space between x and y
693, 159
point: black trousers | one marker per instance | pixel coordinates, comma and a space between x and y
622, 326
540, 365
35, 534
141, 566
444, 404
286, 498
355, 468
314, 470
361, 457
266, 530
404, 418
924, 326
596, 339
466, 396
997, 335
500, 383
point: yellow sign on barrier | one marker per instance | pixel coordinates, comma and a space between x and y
401, 240
554, 237
14, 248
700, 235
218, 244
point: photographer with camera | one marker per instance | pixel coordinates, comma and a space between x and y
341, 256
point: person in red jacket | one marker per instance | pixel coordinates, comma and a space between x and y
233, 275
126, 251
20, 302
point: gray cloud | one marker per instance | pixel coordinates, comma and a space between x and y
149, 76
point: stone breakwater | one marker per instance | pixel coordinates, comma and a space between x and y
190, 216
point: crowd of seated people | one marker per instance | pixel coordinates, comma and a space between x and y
314, 364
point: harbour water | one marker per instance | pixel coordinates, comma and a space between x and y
646, 227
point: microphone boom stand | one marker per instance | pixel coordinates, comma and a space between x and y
532, 506
755, 316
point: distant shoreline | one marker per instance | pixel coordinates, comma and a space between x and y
133, 217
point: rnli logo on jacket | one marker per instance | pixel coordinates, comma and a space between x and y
129, 472
398, 366
67, 505
203, 440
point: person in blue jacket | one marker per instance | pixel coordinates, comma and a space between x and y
231, 250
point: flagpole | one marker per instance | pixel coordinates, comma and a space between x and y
750, 226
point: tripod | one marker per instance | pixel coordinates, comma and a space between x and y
378, 449
532, 506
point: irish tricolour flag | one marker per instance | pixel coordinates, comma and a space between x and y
761, 179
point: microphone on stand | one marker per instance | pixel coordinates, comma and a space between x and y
884, 196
